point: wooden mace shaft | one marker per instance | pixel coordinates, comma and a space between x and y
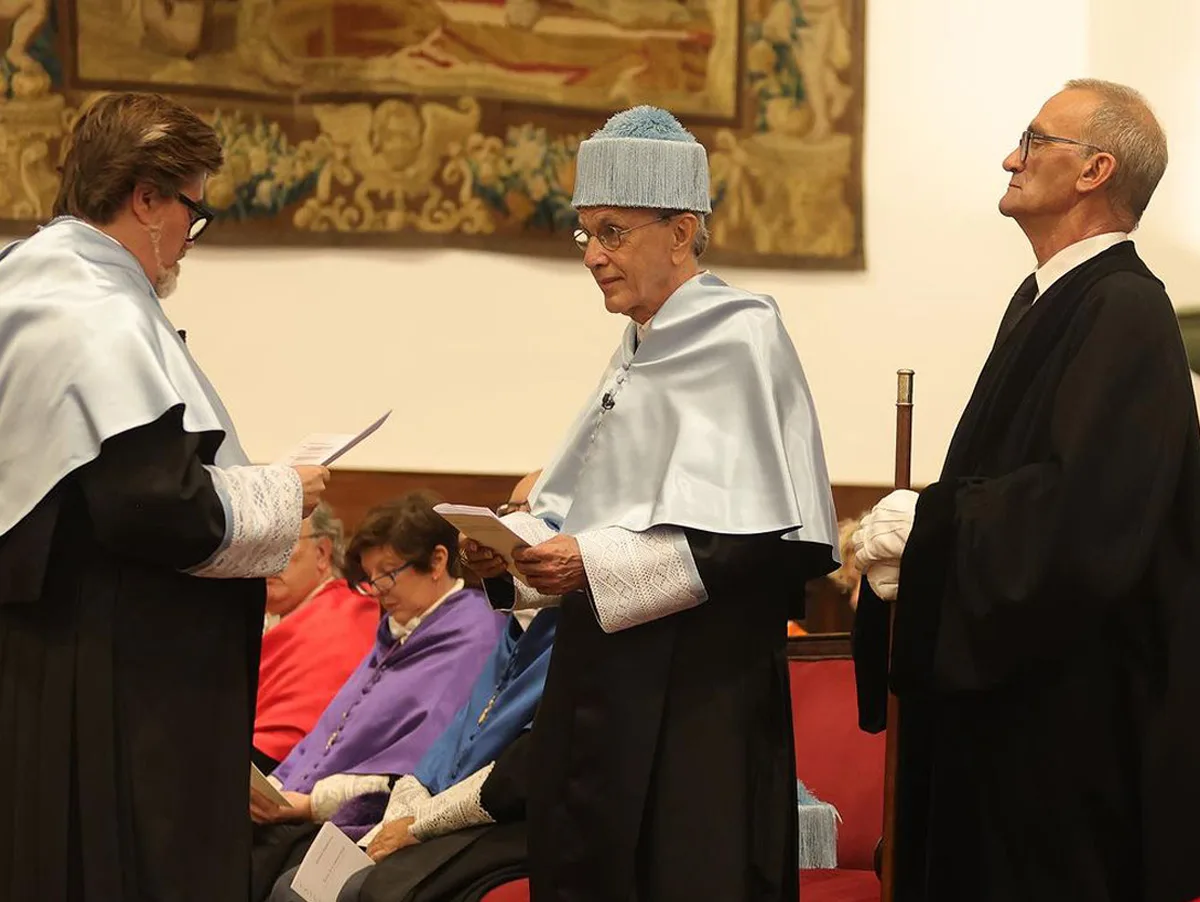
904, 410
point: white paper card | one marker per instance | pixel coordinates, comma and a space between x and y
484, 527
323, 448
266, 787
332, 859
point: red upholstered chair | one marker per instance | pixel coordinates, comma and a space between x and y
517, 891
839, 764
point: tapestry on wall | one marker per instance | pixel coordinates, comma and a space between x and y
455, 122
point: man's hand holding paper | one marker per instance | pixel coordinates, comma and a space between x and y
314, 481
491, 540
554, 567
486, 562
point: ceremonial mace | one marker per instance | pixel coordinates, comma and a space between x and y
904, 410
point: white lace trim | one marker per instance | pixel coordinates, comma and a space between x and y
528, 599
636, 577
406, 795
332, 792
262, 521
456, 808
528, 527
534, 532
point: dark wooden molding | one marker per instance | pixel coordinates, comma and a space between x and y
819, 647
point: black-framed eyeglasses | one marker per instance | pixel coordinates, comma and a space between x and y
382, 584
511, 507
611, 237
1029, 136
202, 216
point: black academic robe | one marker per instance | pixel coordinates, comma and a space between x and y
127, 688
662, 756
1048, 619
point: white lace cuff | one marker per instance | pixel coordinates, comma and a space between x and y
456, 808
262, 521
524, 599
534, 532
332, 792
529, 599
407, 794
528, 527
636, 577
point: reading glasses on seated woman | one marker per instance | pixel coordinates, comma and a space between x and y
381, 585
611, 237
1029, 136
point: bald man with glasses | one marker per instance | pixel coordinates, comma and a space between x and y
1047, 591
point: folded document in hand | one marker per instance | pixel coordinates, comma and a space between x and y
267, 788
502, 536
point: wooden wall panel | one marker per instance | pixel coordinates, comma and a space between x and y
352, 492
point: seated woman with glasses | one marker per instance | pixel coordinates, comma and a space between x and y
428, 651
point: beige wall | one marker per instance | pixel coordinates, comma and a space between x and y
487, 357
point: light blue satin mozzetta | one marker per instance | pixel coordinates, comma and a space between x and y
86, 353
708, 423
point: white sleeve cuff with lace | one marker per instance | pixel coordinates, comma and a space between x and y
456, 808
636, 577
533, 531
332, 792
407, 794
262, 521
529, 599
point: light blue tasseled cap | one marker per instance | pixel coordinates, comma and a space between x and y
642, 157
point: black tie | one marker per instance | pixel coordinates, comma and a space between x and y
1018, 306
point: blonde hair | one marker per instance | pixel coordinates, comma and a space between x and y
1124, 125
847, 576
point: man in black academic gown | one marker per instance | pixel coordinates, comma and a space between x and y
133, 534
683, 513
1046, 652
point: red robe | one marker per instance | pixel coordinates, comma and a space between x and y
305, 661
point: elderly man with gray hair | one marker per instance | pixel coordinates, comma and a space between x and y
316, 630
1048, 590
676, 526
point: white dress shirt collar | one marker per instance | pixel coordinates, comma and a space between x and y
1074, 255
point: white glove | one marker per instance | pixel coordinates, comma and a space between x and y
880, 539
884, 580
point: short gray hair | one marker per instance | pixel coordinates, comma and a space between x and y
1124, 125
325, 524
701, 238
